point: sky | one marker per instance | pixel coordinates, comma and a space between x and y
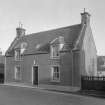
41, 15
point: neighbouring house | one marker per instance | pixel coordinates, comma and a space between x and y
2, 61
101, 65
54, 57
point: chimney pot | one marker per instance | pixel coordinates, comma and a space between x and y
20, 32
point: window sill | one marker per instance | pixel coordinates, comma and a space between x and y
55, 57
57, 81
18, 59
17, 80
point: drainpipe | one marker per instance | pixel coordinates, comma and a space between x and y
5, 70
72, 68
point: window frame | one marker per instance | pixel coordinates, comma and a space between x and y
52, 73
52, 55
18, 55
23, 47
16, 71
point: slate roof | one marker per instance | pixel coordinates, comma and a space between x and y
70, 34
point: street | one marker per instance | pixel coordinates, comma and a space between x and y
10, 95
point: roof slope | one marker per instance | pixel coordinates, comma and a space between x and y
70, 34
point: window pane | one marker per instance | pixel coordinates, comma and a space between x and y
17, 72
18, 54
56, 73
55, 51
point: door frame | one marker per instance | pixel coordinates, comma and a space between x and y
33, 73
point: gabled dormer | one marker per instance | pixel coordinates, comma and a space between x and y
56, 46
19, 51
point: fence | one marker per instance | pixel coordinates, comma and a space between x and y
93, 83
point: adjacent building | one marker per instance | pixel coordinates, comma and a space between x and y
101, 65
57, 57
2, 61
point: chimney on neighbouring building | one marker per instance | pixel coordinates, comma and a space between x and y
85, 17
20, 31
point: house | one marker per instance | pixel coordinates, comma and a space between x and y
101, 65
2, 61
54, 57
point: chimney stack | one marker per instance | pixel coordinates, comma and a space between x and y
85, 17
20, 31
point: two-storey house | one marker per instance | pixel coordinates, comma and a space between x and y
58, 57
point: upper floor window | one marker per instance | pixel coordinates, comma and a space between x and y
54, 51
61, 42
23, 47
18, 55
56, 46
19, 51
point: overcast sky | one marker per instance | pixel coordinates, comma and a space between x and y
40, 15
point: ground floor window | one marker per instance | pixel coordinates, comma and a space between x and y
55, 73
17, 72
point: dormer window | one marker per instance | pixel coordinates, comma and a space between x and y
55, 51
61, 42
18, 55
23, 47
56, 46
19, 51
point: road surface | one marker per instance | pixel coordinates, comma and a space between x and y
11, 95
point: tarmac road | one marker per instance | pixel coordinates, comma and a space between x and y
12, 95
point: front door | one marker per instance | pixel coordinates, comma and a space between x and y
35, 75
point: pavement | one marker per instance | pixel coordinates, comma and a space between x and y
93, 93
61, 89
46, 87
